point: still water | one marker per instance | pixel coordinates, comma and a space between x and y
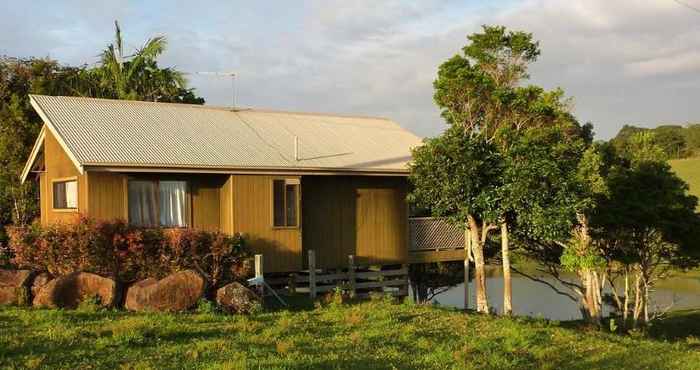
530, 298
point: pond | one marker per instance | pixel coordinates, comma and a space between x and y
530, 298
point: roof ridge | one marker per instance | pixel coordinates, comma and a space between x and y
217, 107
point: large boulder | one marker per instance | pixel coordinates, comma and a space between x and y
236, 298
176, 292
14, 286
69, 290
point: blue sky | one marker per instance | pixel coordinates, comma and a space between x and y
623, 61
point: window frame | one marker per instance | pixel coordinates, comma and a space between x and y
77, 194
157, 180
287, 181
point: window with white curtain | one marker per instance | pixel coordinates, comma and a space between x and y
173, 196
65, 194
158, 203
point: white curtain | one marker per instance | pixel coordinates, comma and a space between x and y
173, 195
142, 203
71, 194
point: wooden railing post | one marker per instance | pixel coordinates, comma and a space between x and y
259, 272
312, 274
351, 274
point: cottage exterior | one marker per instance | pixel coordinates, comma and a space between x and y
289, 182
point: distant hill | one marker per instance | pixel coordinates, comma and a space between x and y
689, 170
677, 141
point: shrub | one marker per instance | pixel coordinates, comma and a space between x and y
127, 253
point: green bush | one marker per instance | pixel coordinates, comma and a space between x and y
127, 253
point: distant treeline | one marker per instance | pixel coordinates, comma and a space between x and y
677, 141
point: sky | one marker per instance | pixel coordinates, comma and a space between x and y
621, 62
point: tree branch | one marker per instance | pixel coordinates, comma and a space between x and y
545, 282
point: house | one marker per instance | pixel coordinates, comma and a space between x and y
289, 182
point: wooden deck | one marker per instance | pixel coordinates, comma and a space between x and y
434, 240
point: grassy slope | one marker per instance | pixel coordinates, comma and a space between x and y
376, 334
689, 170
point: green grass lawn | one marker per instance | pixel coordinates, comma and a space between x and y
689, 170
372, 334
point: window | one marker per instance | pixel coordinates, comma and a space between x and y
158, 203
285, 204
65, 194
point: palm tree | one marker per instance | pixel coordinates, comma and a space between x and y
138, 77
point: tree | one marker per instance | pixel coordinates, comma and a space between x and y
478, 92
138, 77
135, 77
647, 225
456, 175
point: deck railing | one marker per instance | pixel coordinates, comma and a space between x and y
431, 233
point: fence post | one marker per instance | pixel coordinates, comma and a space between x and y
259, 272
351, 274
312, 274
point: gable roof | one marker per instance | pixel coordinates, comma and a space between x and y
119, 133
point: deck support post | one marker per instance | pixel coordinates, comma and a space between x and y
312, 274
351, 274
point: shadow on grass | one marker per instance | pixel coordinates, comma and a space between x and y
679, 325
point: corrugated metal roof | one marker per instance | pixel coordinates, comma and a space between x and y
129, 133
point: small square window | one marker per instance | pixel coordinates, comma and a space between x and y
65, 194
285, 195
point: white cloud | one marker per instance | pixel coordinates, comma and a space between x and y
623, 61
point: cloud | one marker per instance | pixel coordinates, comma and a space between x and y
622, 61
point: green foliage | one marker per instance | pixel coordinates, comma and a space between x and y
90, 304
675, 141
371, 334
455, 175
648, 213
136, 77
116, 249
578, 258
206, 307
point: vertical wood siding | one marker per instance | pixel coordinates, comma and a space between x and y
59, 166
226, 205
363, 216
107, 196
206, 214
252, 217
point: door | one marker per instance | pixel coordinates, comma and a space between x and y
381, 226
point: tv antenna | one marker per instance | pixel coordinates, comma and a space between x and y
233, 76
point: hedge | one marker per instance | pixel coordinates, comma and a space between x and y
126, 253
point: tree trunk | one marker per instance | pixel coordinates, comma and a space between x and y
626, 306
467, 257
482, 303
507, 286
418, 286
591, 299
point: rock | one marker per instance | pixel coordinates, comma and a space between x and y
69, 290
176, 292
236, 298
14, 286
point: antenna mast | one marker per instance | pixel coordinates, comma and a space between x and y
233, 76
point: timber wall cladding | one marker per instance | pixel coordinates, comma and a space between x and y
252, 217
59, 166
364, 216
